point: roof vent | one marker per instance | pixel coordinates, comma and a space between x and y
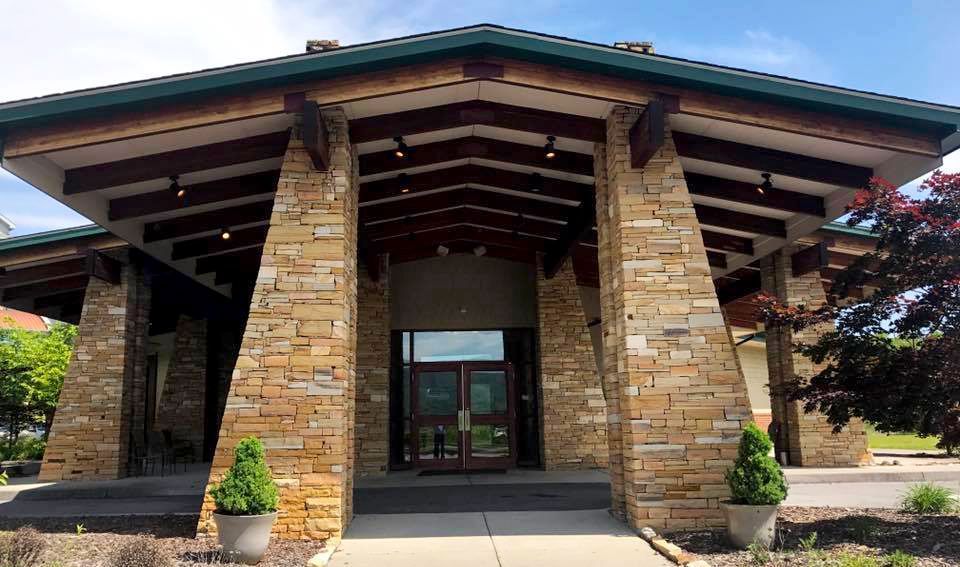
638, 46
315, 45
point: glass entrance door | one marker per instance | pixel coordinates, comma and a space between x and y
463, 415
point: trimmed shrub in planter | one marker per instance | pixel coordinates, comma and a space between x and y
757, 487
246, 503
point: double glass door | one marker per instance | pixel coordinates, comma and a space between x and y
463, 416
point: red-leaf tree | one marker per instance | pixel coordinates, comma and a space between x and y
893, 356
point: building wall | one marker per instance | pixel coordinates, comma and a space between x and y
462, 292
753, 360
183, 394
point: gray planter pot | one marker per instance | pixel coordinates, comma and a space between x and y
244, 538
748, 524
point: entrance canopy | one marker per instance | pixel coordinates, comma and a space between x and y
173, 165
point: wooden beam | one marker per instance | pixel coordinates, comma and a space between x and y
13, 276
579, 225
103, 267
59, 299
810, 259
463, 215
474, 112
465, 247
741, 192
197, 194
415, 204
48, 287
315, 137
774, 161
749, 284
717, 259
476, 147
646, 134
744, 222
258, 211
727, 242
209, 264
176, 162
479, 175
207, 245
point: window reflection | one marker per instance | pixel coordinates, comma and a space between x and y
439, 346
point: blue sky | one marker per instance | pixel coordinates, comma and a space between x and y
893, 47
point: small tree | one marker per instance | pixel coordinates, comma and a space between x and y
32, 366
247, 488
756, 479
893, 358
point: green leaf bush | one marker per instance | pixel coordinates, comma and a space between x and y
756, 479
247, 488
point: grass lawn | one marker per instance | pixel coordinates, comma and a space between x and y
900, 441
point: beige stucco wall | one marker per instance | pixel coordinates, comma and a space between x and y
753, 359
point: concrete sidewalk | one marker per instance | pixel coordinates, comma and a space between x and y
854, 494
494, 539
872, 474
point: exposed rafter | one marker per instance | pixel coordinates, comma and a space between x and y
214, 244
211, 220
476, 147
462, 215
811, 258
176, 162
314, 134
197, 194
742, 192
414, 204
474, 112
479, 175
744, 222
773, 161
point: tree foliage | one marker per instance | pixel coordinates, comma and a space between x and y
32, 366
893, 358
756, 479
247, 488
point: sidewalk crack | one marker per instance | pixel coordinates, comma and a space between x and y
493, 542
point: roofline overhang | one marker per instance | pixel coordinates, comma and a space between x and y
490, 40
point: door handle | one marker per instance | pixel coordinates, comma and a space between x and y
460, 421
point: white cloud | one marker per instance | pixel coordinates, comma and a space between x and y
757, 50
70, 44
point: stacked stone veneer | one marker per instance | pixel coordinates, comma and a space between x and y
682, 399
293, 384
807, 438
100, 411
181, 406
574, 409
373, 375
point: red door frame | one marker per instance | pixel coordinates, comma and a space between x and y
508, 418
418, 420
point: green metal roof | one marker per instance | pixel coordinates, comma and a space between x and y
843, 228
487, 39
50, 236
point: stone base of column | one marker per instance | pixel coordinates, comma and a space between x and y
373, 376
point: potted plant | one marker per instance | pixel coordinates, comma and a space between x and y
246, 504
757, 487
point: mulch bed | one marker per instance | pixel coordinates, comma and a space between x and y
105, 535
933, 540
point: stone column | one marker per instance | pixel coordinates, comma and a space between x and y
101, 407
683, 400
608, 320
574, 410
181, 405
293, 383
373, 375
807, 438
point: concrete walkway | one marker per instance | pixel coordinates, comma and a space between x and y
854, 494
493, 539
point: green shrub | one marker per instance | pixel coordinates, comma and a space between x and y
247, 488
25, 449
759, 553
847, 559
142, 551
928, 499
756, 479
900, 559
21, 548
